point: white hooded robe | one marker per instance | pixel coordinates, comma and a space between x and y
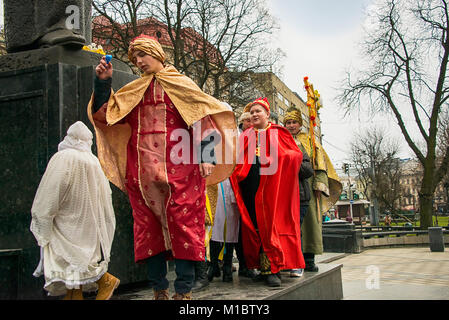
73, 219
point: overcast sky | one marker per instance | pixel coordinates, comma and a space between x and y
320, 38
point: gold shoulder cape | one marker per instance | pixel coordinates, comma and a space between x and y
191, 102
324, 163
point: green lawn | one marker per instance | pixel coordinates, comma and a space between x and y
442, 222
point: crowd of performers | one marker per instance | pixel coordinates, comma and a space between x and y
265, 205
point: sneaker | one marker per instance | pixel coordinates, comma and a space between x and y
296, 273
272, 280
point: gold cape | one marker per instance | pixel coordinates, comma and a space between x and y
192, 104
323, 163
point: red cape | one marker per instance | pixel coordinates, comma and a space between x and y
277, 200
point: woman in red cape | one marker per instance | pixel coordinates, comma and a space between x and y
265, 182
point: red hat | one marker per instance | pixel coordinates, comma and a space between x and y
261, 101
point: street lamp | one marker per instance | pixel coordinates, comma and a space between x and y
446, 186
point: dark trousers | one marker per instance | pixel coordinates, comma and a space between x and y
239, 250
302, 213
308, 257
215, 249
157, 272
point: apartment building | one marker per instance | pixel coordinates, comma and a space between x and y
281, 97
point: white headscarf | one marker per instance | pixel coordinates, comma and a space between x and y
78, 137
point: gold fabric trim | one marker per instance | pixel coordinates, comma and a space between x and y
212, 193
265, 265
191, 103
319, 186
323, 163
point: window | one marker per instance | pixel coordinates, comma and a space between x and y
281, 111
280, 96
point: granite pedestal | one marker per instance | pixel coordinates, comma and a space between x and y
436, 239
326, 284
43, 92
341, 236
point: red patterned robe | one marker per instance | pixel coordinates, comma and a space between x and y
168, 200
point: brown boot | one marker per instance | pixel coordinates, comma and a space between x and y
161, 295
106, 286
182, 296
77, 294
68, 295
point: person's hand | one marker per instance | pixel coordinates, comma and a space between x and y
104, 70
206, 169
317, 194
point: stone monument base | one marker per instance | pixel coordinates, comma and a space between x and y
326, 284
43, 92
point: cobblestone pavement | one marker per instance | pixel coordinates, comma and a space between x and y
396, 273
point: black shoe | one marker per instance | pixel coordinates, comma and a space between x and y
252, 273
227, 274
201, 280
312, 267
243, 272
213, 272
259, 278
272, 280
248, 273
199, 285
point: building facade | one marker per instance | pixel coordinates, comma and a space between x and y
411, 179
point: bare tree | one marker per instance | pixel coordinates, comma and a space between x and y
216, 43
116, 23
223, 43
407, 52
375, 158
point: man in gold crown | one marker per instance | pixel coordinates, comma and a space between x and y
148, 145
325, 186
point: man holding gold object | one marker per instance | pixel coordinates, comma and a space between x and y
325, 186
147, 146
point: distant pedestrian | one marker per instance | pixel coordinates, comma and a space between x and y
387, 220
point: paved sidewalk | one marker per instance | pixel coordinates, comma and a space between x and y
413, 273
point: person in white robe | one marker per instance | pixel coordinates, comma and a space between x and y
225, 232
73, 221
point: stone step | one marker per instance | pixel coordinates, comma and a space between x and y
326, 284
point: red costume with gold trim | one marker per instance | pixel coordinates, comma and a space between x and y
276, 201
168, 200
